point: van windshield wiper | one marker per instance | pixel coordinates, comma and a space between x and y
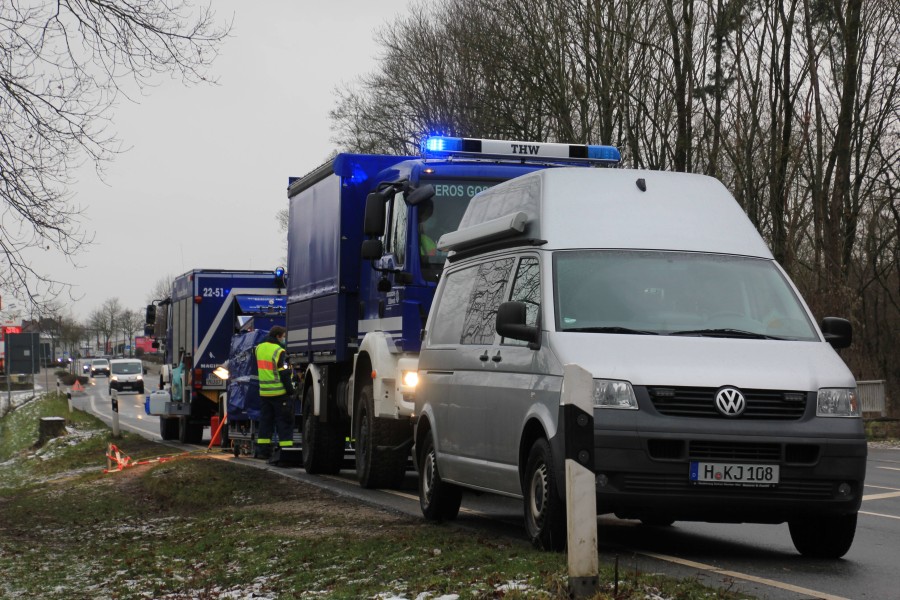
732, 333
611, 330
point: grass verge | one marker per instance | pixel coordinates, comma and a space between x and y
198, 527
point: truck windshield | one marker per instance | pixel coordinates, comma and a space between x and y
676, 293
441, 215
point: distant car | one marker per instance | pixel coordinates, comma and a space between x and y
86, 367
126, 374
99, 366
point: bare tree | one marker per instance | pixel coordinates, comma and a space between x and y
131, 321
65, 64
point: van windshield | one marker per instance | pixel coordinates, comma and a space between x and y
100, 362
129, 368
676, 293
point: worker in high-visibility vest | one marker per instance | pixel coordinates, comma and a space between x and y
275, 389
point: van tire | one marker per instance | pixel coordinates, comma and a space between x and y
545, 512
377, 467
323, 447
823, 537
168, 428
438, 499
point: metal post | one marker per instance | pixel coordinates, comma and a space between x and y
69, 399
577, 420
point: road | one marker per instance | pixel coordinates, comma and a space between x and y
756, 559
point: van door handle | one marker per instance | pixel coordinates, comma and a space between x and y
483, 357
497, 357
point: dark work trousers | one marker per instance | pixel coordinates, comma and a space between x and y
275, 412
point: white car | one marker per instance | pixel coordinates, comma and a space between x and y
126, 374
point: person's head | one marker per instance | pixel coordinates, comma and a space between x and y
278, 332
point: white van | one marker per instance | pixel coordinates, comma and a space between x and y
126, 374
716, 396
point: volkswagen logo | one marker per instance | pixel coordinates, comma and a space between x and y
730, 402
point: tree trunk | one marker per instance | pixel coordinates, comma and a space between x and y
49, 428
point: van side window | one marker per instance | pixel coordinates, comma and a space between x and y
451, 310
526, 288
480, 324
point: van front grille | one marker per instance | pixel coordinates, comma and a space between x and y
701, 403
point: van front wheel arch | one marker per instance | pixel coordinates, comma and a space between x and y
545, 512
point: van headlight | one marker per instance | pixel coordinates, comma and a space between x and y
113, 378
837, 402
609, 393
139, 378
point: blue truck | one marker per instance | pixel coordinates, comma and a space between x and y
363, 265
205, 309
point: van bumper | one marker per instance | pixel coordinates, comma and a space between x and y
647, 476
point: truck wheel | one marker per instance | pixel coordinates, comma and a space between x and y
189, 433
323, 447
438, 499
377, 467
823, 537
545, 513
168, 428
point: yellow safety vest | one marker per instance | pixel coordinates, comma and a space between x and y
268, 356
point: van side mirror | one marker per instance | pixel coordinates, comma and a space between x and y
838, 332
372, 249
373, 223
511, 323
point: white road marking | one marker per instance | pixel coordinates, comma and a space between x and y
745, 576
882, 496
871, 514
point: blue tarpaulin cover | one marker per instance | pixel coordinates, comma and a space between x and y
243, 381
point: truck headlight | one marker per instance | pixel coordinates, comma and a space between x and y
410, 379
837, 402
614, 394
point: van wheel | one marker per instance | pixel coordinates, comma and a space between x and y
168, 428
438, 499
823, 537
378, 467
323, 447
545, 513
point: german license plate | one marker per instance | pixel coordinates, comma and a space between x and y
746, 475
212, 380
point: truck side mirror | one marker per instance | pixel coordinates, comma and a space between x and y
372, 249
420, 194
155, 345
511, 323
373, 223
151, 314
838, 332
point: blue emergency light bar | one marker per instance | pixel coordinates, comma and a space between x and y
441, 146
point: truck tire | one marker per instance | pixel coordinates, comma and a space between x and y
823, 537
189, 433
168, 428
378, 465
545, 513
323, 446
438, 499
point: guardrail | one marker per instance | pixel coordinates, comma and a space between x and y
871, 396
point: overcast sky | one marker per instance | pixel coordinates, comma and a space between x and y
208, 166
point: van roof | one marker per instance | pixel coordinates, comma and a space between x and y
622, 208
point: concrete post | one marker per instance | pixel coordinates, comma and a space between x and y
115, 414
577, 411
